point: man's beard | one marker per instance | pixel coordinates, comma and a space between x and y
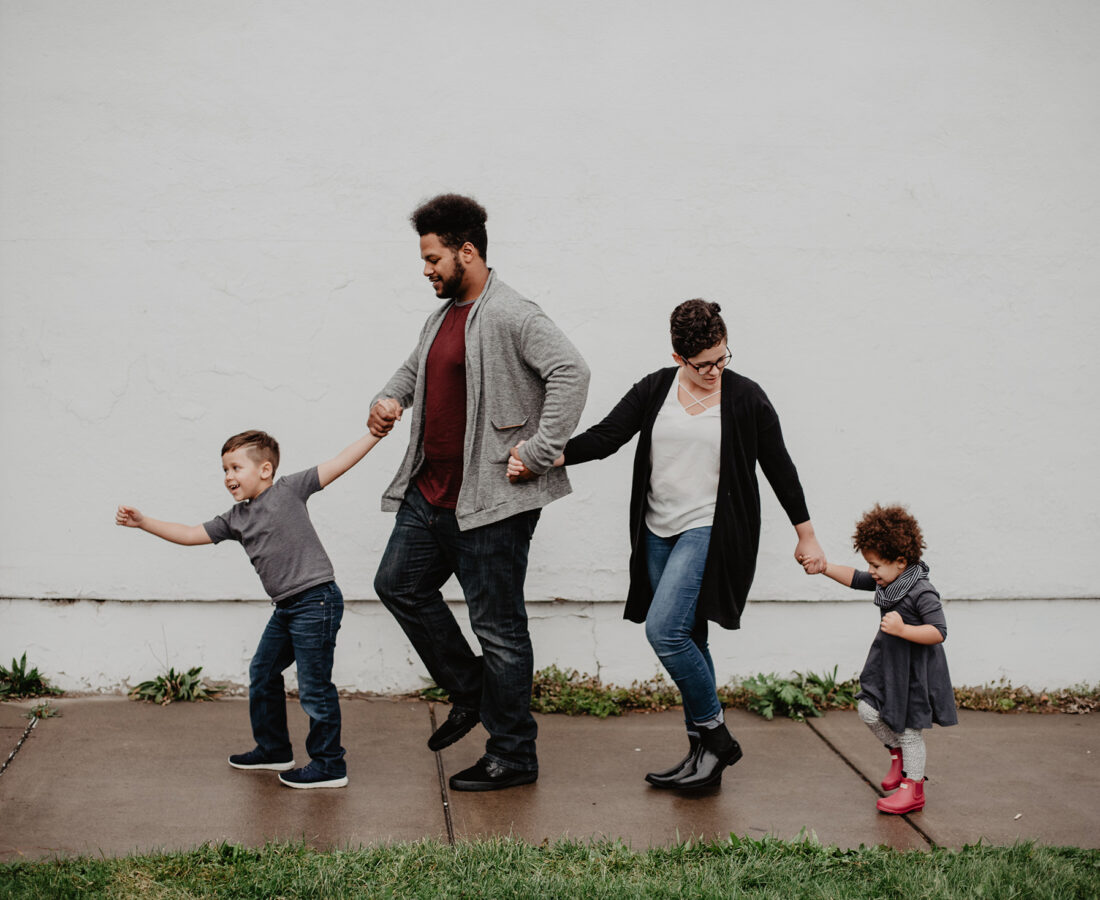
449, 287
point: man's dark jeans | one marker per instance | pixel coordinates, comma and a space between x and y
303, 632
490, 562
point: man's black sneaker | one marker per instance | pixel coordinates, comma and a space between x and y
486, 775
459, 723
311, 777
257, 759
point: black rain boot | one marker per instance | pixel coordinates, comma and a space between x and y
685, 766
717, 749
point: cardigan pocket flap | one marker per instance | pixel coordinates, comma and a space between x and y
508, 423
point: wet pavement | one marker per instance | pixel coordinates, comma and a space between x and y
110, 776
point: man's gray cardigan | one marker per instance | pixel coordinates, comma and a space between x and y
524, 381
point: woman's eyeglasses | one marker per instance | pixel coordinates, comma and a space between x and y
704, 368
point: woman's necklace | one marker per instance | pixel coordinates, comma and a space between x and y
697, 401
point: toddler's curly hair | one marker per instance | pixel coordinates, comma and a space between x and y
890, 533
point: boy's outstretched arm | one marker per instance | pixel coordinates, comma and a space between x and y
328, 472
188, 535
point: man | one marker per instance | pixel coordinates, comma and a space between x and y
489, 370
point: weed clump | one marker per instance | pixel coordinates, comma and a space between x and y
769, 695
1002, 697
172, 685
18, 683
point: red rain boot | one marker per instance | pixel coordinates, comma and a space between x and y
893, 777
909, 798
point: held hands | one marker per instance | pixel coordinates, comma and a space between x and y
810, 556
517, 470
383, 415
128, 516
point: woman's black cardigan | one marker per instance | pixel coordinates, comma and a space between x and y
750, 433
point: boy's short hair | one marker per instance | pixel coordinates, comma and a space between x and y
696, 326
455, 219
261, 446
890, 533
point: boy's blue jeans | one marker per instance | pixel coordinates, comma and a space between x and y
490, 562
675, 574
304, 633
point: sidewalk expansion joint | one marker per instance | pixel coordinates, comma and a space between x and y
11, 756
874, 787
443, 794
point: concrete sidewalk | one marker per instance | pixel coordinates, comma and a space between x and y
110, 776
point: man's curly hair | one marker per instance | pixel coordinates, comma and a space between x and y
696, 326
455, 219
890, 533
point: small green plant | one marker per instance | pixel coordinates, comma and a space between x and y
17, 682
43, 711
827, 692
1001, 696
796, 698
568, 691
172, 685
432, 691
770, 695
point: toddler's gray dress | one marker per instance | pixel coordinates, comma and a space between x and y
908, 683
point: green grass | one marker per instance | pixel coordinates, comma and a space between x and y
503, 867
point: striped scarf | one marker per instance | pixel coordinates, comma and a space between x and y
888, 597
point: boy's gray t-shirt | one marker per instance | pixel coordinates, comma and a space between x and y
276, 532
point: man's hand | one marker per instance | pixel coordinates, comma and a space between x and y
382, 416
128, 516
517, 470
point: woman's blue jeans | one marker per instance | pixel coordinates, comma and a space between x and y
303, 633
679, 639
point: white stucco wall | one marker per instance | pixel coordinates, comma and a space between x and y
110, 645
203, 229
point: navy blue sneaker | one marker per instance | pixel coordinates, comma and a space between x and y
257, 759
311, 777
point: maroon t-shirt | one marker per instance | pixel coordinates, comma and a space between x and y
440, 478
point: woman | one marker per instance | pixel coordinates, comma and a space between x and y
695, 516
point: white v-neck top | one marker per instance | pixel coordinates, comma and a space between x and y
683, 479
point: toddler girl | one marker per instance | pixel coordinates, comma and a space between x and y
904, 685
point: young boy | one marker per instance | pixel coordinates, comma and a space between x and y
271, 522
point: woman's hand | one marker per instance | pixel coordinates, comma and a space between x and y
808, 553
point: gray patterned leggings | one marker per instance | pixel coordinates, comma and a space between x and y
910, 740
